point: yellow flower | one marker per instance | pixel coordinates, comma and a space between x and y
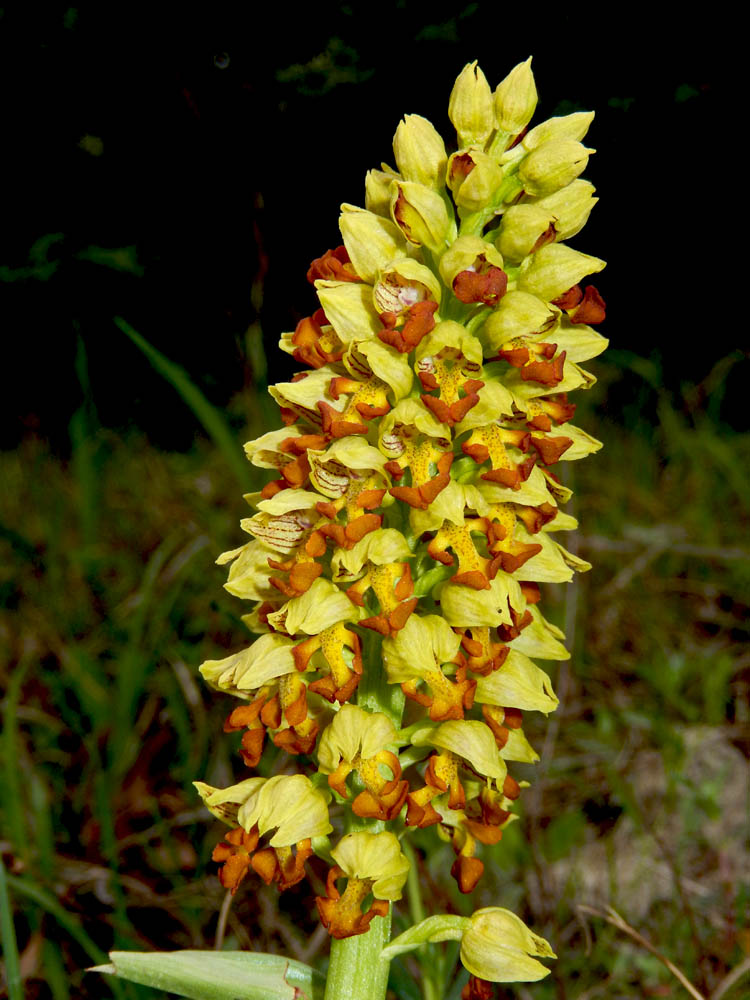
497, 947
372, 863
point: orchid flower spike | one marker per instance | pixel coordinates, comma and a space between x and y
392, 574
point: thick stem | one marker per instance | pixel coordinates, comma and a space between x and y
355, 971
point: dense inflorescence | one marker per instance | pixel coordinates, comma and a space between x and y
396, 554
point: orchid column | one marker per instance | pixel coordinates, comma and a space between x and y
396, 554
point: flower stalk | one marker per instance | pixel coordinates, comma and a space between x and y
412, 513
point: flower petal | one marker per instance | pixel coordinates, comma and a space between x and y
519, 683
374, 856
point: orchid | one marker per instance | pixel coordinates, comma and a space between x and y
396, 555
419, 500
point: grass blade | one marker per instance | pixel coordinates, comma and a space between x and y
12, 795
23, 887
211, 419
8, 937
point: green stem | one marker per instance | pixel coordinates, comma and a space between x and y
356, 971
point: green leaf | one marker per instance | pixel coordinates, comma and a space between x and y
218, 975
441, 927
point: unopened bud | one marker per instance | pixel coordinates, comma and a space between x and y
420, 151
516, 98
497, 947
473, 177
573, 126
420, 214
553, 165
471, 107
378, 190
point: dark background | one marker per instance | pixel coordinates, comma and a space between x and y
159, 162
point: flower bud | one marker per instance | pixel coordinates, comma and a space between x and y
573, 127
473, 177
523, 229
471, 107
420, 152
420, 214
516, 98
571, 207
552, 165
378, 189
497, 947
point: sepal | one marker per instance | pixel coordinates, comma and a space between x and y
469, 739
554, 269
378, 190
519, 683
376, 857
349, 309
371, 242
551, 166
571, 207
421, 215
573, 127
268, 658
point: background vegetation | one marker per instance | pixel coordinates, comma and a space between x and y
181, 174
